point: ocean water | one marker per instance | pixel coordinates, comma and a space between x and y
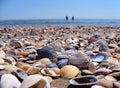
61, 22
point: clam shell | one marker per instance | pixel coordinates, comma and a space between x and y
100, 57
86, 72
35, 81
9, 81
115, 74
32, 56
110, 78
49, 72
103, 71
32, 70
48, 78
45, 60
62, 63
84, 81
51, 65
105, 83
2, 61
69, 71
56, 70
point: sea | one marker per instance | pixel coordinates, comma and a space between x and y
61, 22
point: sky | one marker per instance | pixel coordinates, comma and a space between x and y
58, 9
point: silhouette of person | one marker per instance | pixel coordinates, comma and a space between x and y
73, 18
66, 17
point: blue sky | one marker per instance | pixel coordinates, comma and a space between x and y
58, 9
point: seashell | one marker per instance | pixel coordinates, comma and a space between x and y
2, 54
91, 67
11, 53
100, 76
32, 56
116, 56
113, 61
105, 83
11, 60
86, 72
16, 43
46, 52
32, 70
10, 68
2, 61
110, 78
116, 75
35, 81
51, 65
49, 72
103, 71
23, 53
69, 71
100, 57
9, 81
45, 60
116, 85
62, 63
104, 64
27, 43
97, 86
79, 60
48, 78
95, 63
115, 68
56, 70
84, 81
112, 46
2, 67
21, 75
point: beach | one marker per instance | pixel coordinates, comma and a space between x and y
23, 45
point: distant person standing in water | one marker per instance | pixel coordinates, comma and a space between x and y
66, 17
73, 18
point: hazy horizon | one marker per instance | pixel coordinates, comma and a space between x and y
54, 9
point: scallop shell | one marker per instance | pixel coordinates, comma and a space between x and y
69, 71
86, 72
9, 81
35, 81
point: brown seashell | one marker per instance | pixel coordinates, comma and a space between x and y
22, 53
35, 81
116, 68
49, 72
115, 74
32, 70
116, 56
91, 67
69, 71
86, 72
11, 60
103, 71
56, 70
45, 60
105, 83
9, 81
110, 78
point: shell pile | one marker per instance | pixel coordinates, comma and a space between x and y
35, 57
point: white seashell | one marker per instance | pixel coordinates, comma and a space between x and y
9, 81
35, 80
